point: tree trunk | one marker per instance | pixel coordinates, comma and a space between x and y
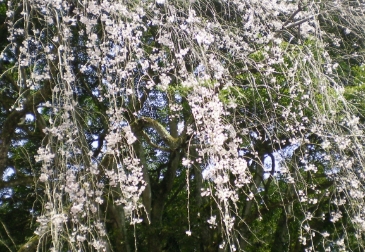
119, 228
248, 207
280, 241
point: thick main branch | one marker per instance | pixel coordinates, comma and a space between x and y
172, 142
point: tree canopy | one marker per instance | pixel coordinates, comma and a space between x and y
171, 125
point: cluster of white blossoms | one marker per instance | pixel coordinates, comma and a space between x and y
218, 145
133, 49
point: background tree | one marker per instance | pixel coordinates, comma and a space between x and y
181, 126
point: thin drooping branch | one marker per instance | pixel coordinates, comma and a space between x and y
14, 117
141, 93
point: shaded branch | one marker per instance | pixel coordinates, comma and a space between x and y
299, 22
300, 8
17, 181
31, 245
149, 141
172, 142
12, 120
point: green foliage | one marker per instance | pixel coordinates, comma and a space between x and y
2, 9
257, 56
179, 90
358, 73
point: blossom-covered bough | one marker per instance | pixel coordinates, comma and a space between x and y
247, 113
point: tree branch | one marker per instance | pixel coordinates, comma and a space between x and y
17, 181
300, 8
31, 245
12, 120
172, 142
149, 141
299, 22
